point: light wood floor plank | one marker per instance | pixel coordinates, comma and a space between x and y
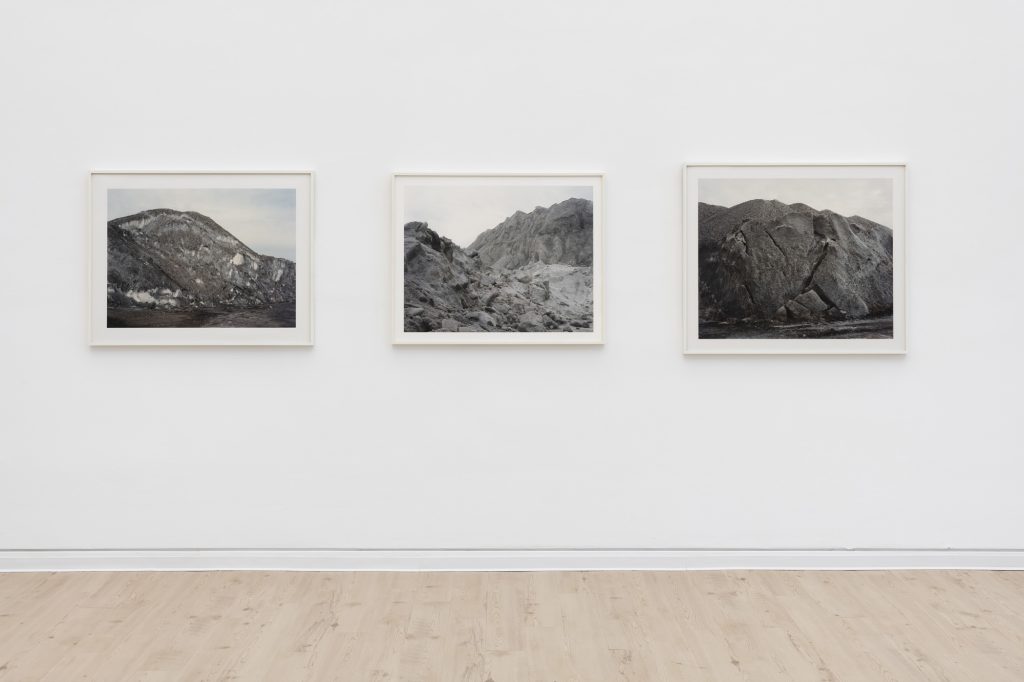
725, 626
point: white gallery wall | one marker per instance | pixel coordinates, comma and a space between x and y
357, 444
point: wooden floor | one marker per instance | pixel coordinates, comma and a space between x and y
501, 627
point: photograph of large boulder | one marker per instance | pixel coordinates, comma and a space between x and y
772, 269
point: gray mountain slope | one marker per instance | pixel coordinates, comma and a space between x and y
562, 233
174, 259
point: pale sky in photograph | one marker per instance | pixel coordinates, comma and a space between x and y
869, 198
263, 219
462, 212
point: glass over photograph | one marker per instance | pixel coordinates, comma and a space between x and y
505, 259
796, 258
201, 258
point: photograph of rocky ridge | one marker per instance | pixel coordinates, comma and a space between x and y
180, 268
769, 269
532, 272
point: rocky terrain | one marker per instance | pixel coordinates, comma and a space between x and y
765, 264
166, 261
531, 273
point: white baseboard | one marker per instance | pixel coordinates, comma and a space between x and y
506, 560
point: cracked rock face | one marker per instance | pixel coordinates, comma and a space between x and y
181, 260
765, 260
531, 273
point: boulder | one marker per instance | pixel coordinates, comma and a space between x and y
482, 318
531, 321
798, 312
811, 301
757, 257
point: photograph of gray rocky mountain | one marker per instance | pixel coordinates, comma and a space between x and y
785, 269
498, 259
171, 266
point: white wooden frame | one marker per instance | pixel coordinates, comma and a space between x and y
301, 335
402, 337
693, 345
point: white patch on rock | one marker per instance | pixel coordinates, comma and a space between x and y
140, 296
198, 281
238, 259
277, 275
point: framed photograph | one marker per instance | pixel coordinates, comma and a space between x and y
201, 258
498, 259
786, 258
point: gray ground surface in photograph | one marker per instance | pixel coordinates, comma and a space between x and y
866, 328
271, 315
